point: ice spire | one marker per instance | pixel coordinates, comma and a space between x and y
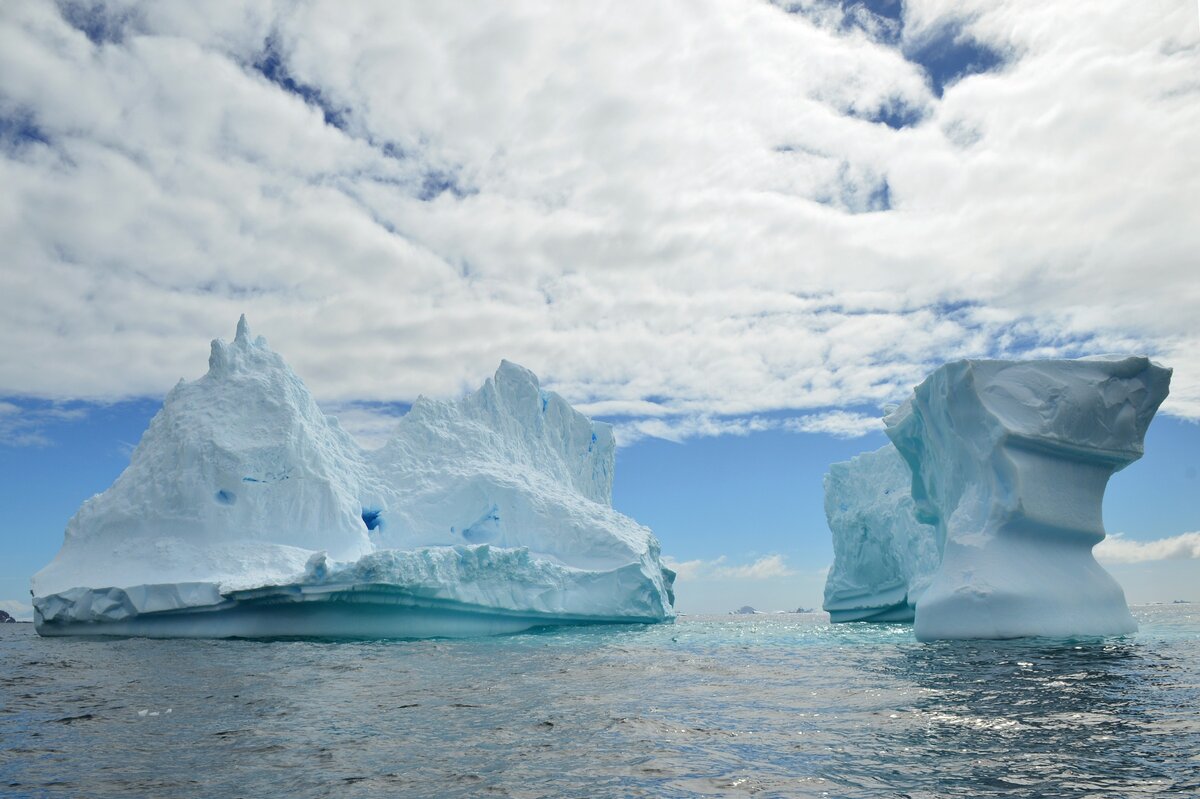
243, 331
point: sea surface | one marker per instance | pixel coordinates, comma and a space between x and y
769, 706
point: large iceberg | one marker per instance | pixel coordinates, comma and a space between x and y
883, 557
246, 511
1010, 460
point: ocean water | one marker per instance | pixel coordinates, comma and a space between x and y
767, 706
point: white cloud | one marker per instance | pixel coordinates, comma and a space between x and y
688, 570
839, 423
765, 568
21, 611
843, 424
768, 583
1115, 548
25, 426
665, 213
681, 428
371, 425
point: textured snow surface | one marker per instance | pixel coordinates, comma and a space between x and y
883, 558
498, 504
1010, 461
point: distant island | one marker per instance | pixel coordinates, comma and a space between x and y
5, 618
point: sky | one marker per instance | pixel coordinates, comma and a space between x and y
737, 230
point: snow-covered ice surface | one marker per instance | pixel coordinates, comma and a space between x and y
1010, 462
883, 558
245, 511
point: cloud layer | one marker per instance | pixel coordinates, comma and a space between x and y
23, 425
683, 216
765, 568
1117, 549
21, 611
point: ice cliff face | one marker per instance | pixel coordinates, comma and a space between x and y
1010, 460
246, 511
883, 557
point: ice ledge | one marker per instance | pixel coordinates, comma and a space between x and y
433, 591
117, 604
333, 610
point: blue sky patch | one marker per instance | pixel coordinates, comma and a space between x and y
19, 130
95, 21
896, 114
949, 55
270, 65
437, 182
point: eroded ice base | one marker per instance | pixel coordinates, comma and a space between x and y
328, 611
429, 592
881, 605
1031, 587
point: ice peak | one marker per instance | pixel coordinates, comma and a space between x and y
509, 372
242, 336
244, 351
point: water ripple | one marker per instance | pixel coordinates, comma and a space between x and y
780, 706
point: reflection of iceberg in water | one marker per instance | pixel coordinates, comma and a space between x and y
245, 511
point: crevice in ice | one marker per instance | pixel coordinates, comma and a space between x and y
371, 518
224, 497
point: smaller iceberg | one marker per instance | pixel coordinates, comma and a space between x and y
245, 511
883, 557
1010, 460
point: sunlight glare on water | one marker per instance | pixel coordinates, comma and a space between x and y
769, 706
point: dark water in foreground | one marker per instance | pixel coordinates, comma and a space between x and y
712, 706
